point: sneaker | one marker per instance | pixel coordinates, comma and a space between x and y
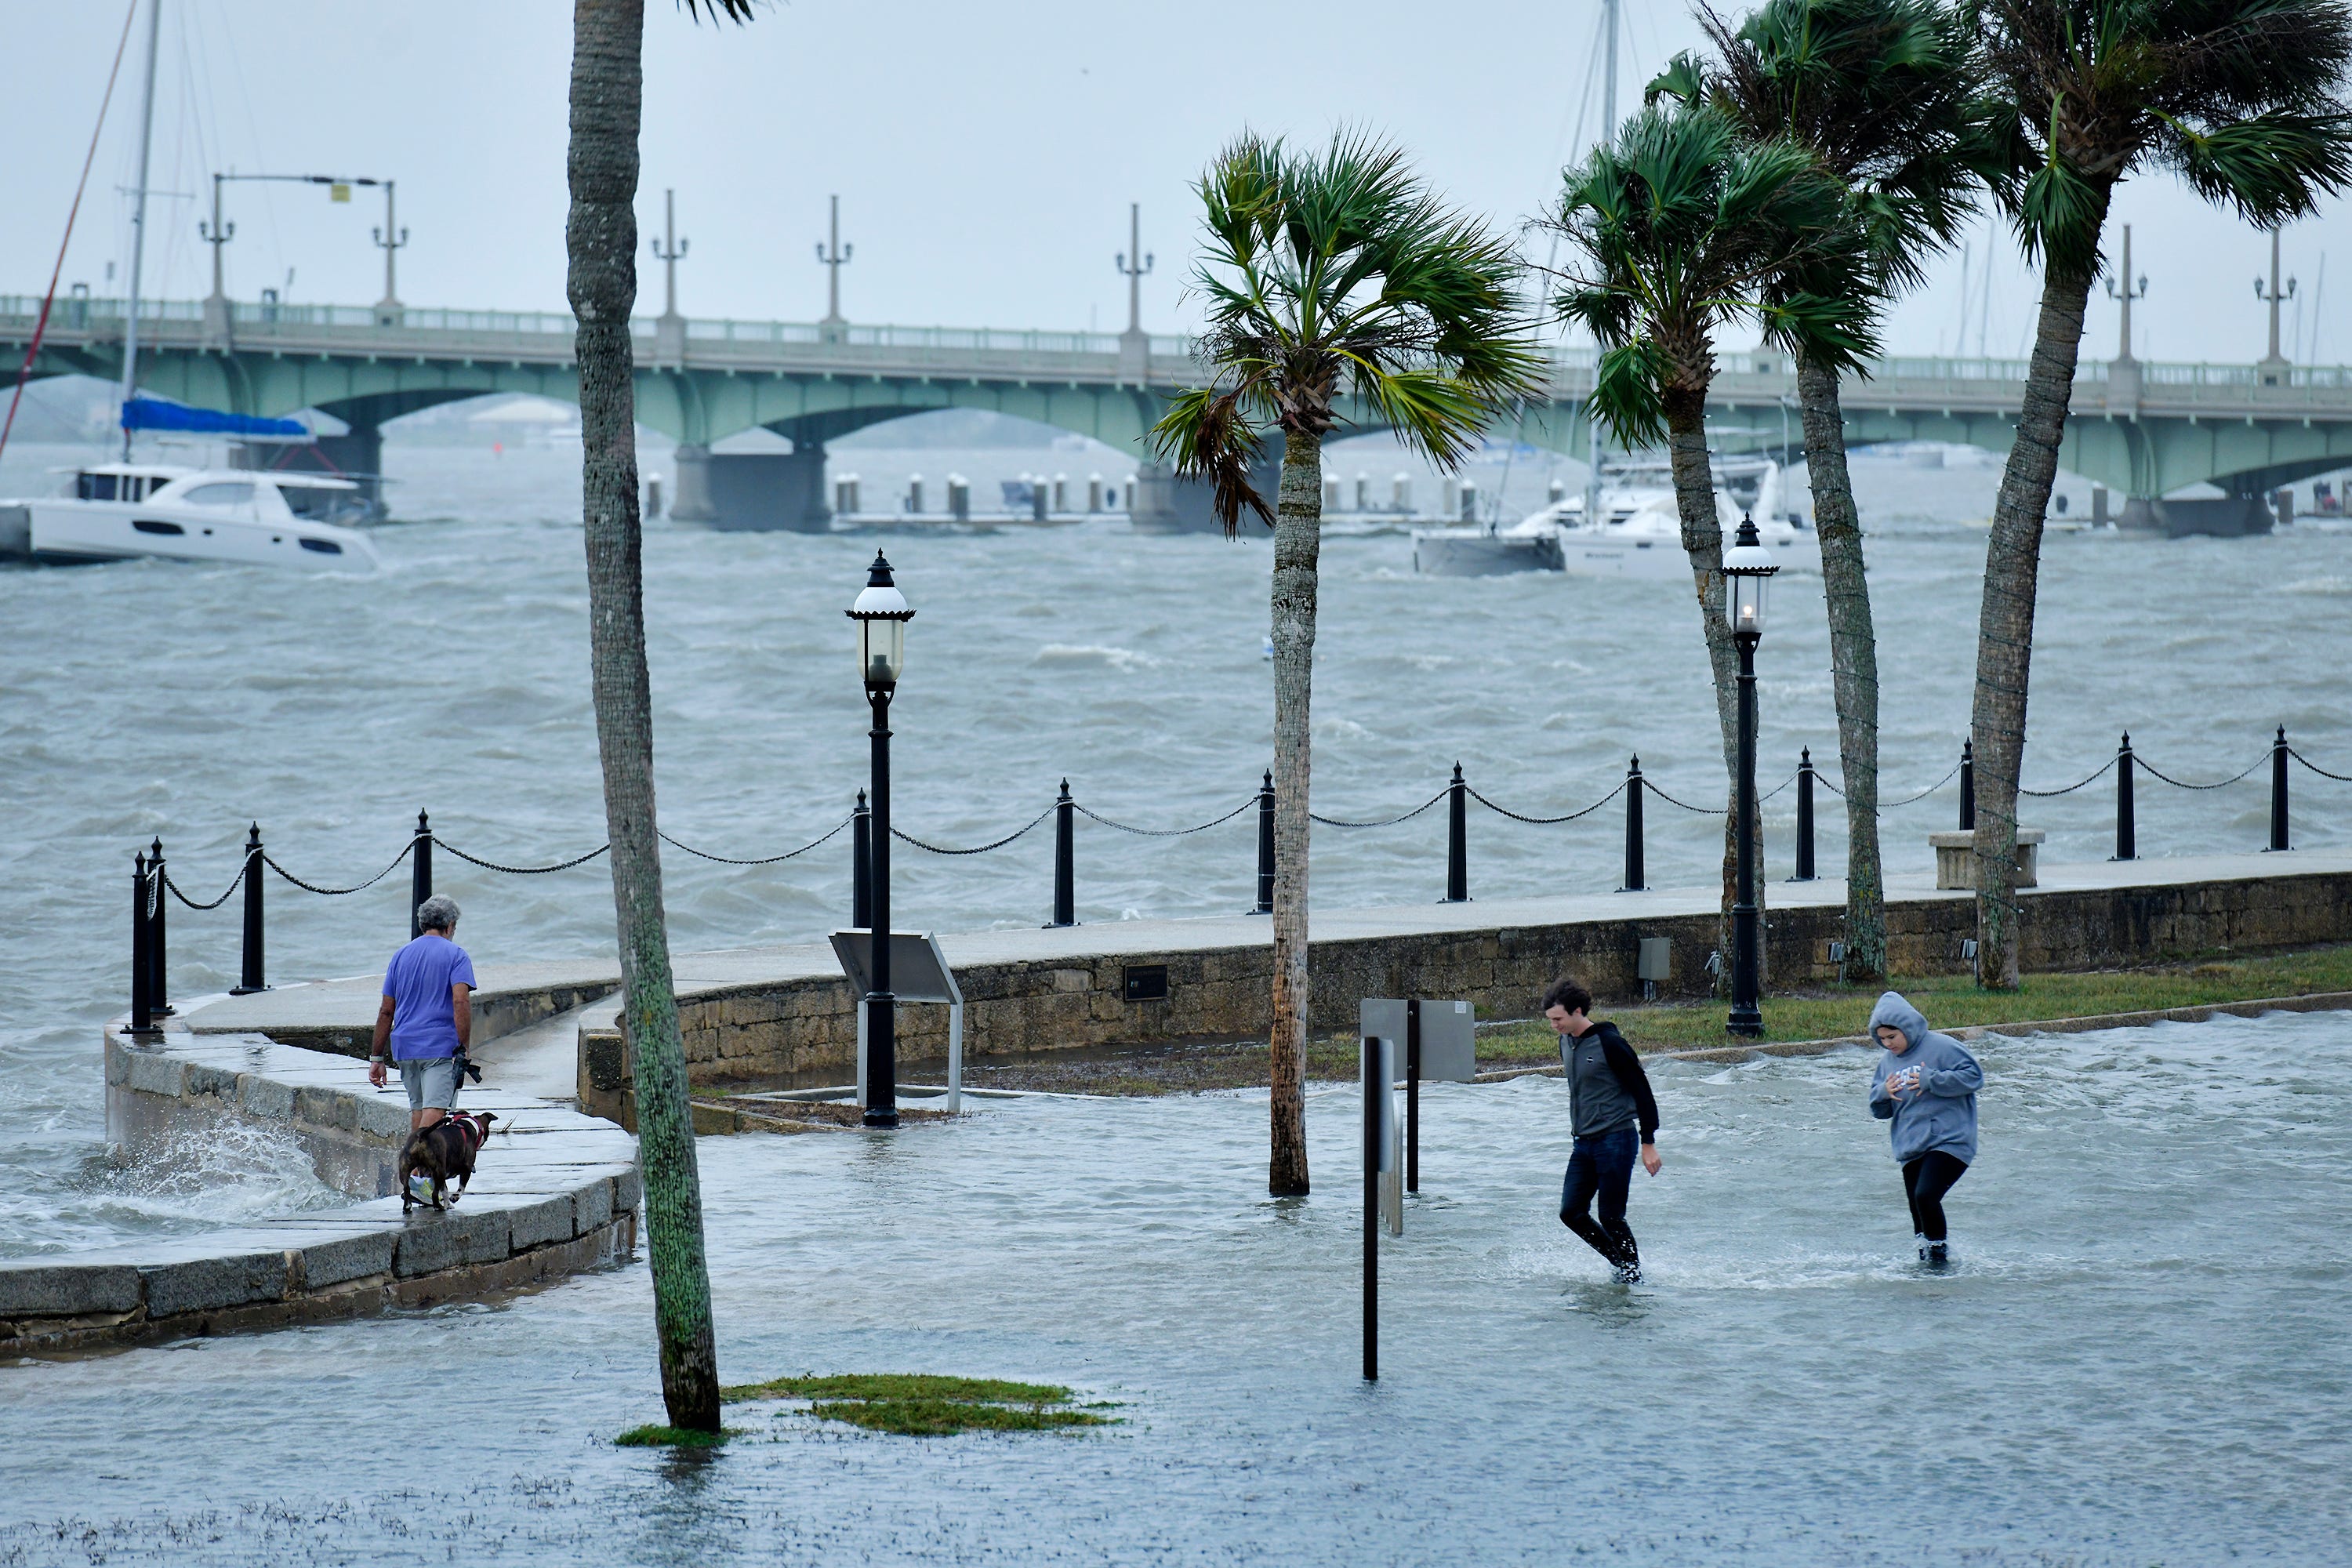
1919, 1239
420, 1187
1938, 1255
1629, 1274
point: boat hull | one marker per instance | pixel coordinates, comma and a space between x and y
1655, 560
74, 532
1483, 555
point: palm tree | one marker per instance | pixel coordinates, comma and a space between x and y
601, 238
1325, 275
1881, 92
1683, 225
2242, 100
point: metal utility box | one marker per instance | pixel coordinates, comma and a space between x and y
1656, 962
1449, 1042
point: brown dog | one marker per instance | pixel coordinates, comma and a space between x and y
442, 1151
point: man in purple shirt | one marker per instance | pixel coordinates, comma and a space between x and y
427, 1016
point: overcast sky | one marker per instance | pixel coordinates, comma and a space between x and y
985, 154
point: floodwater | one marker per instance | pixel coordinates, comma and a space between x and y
148, 699
2137, 1358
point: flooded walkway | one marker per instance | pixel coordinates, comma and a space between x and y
2136, 1359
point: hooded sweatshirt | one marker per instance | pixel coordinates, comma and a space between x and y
1941, 1113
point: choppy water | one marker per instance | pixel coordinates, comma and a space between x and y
147, 698
2138, 1358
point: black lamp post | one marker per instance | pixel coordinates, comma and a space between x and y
1747, 568
881, 615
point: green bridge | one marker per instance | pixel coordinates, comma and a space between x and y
2140, 428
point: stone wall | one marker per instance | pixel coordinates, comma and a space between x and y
810, 1026
555, 1194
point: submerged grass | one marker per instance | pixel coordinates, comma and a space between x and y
656, 1437
924, 1404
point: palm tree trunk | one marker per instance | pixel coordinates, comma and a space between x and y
1297, 541
1853, 663
1702, 529
602, 238
2005, 623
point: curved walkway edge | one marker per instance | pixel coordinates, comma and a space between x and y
554, 1193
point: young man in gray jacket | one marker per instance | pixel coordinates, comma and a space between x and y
1926, 1086
1608, 1099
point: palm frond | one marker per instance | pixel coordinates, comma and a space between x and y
1335, 269
2272, 167
731, 10
1629, 393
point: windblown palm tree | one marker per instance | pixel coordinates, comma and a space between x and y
1326, 275
1882, 93
601, 236
1683, 225
2244, 100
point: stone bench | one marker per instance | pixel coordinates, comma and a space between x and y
1955, 858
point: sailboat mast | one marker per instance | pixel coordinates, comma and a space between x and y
139, 221
1593, 442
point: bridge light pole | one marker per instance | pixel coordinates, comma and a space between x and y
1134, 348
669, 332
881, 615
391, 238
833, 256
218, 233
2274, 363
2133, 290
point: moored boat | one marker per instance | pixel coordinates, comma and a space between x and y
121, 511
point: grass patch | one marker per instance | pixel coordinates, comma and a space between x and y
653, 1437
1949, 1001
898, 1385
923, 1405
944, 1417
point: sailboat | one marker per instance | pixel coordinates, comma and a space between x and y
114, 511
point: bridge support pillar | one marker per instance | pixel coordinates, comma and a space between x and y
1162, 503
752, 491
689, 496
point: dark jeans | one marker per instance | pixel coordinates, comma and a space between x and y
1925, 1180
1601, 1165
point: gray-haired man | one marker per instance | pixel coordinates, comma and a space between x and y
427, 1016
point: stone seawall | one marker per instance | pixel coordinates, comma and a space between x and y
554, 1193
1073, 989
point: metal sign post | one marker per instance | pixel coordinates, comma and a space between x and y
919, 972
1382, 1026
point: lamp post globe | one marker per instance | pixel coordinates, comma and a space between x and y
1748, 570
880, 615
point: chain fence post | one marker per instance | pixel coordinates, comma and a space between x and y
1968, 787
142, 1007
1065, 892
2126, 823
861, 865
420, 873
2278, 791
1634, 881
1804, 816
1457, 839
159, 996
249, 978
1265, 845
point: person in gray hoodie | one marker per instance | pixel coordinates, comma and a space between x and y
1926, 1086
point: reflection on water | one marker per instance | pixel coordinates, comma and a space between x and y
2137, 1360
